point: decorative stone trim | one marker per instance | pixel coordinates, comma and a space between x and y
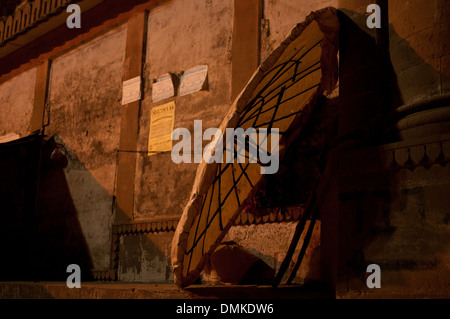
104, 274
28, 16
276, 215
146, 227
397, 156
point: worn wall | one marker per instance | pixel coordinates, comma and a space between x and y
420, 47
84, 99
145, 258
200, 34
414, 252
270, 242
280, 16
390, 209
419, 51
16, 100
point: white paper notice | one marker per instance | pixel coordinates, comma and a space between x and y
131, 90
162, 88
161, 126
193, 80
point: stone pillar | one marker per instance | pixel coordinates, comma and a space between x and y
420, 54
246, 43
40, 97
130, 119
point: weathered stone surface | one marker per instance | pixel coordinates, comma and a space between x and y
201, 34
418, 41
280, 16
270, 242
16, 98
145, 258
85, 88
249, 270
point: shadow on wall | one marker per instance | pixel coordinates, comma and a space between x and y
59, 239
368, 90
41, 234
145, 258
370, 96
44, 234
379, 76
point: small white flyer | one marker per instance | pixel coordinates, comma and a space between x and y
193, 80
131, 90
163, 88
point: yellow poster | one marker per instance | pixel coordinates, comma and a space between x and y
161, 126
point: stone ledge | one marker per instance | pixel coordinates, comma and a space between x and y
119, 290
91, 290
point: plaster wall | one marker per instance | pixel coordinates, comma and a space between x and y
199, 35
84, 98
281, 16
16, 100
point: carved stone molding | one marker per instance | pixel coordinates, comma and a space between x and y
275, 215
29, 15
402, 155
